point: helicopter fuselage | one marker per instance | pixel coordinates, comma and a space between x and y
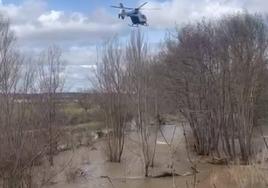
136, 17
135, 14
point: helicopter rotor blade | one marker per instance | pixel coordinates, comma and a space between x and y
115, 6
127, 8
142, 5
150, 9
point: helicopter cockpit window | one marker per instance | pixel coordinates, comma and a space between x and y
143, 16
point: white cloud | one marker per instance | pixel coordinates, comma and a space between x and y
76, 55
81, 63
93, 67
27, 12
51, 17
78, 77
35, 25
183, 11
78, 33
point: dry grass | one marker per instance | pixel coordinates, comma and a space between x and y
71, 174
249, 176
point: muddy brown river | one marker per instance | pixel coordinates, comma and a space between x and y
96, 172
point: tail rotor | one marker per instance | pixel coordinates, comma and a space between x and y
123, 9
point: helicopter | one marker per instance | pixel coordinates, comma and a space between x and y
135, 14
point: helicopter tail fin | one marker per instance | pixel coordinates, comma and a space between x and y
123, 12
121, 15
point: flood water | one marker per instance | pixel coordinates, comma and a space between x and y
95, 169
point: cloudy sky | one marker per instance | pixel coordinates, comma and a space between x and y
80, 26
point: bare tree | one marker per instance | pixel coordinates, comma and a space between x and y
85, 100
216, 73
20, 149
51, 82
141, 95
247, 41
110, 76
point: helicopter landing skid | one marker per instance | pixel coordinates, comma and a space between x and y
137, 25
133, 25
